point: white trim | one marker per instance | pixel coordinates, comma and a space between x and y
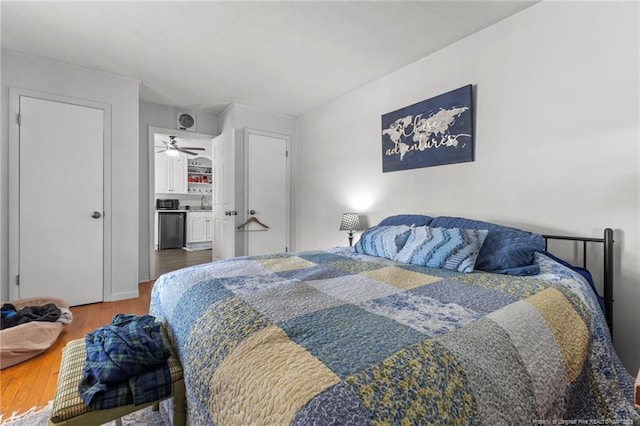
123, 295
14, 184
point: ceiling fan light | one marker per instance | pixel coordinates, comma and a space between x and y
171, 152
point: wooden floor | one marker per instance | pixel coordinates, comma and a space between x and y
172, 259
33, 382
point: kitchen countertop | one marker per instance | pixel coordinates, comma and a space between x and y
182, 210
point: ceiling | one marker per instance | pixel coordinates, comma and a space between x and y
288, 57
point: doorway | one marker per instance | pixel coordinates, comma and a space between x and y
60, 211
184, 178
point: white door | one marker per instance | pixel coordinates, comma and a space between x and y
266, 193
61, 201
223, 199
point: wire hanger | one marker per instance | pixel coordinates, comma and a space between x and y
253, 219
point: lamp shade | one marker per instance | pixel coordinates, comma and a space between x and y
350, 222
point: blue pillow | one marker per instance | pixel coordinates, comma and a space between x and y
446, 248
383, 241
506, 250
406, 219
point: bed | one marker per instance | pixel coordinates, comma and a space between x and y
425, 321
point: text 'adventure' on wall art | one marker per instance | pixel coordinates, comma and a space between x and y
429, 133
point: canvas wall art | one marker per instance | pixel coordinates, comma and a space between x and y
433, 132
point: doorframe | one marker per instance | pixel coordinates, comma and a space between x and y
151, 137
249, 131
14, 183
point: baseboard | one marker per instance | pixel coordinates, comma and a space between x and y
123, 295
198, 246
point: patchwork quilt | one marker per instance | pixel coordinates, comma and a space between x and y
336, 337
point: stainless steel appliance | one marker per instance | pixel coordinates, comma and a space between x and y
167, 204
171, 229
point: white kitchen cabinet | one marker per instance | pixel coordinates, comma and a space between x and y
198, 227
171, 173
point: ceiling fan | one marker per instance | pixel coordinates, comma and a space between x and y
173, 148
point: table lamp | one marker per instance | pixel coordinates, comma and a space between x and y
350, 222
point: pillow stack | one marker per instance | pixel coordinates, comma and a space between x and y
454, 243
455, 249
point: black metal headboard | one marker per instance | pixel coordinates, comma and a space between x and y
607, 242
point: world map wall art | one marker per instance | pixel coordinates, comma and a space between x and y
433, 132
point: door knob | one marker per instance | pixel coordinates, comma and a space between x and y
96, 215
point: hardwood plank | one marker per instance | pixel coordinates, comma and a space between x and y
48, 375
32, 383
10, 386
172, 259
49, 388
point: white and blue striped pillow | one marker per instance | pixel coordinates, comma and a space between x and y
455, 249
383, 241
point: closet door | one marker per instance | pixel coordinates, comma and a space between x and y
61, 201
266, 193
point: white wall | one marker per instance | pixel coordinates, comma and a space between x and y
156, 115
557, 131
122, 94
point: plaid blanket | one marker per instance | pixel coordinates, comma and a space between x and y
126, 363
335, 337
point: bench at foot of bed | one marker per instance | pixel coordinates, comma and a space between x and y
69, 409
